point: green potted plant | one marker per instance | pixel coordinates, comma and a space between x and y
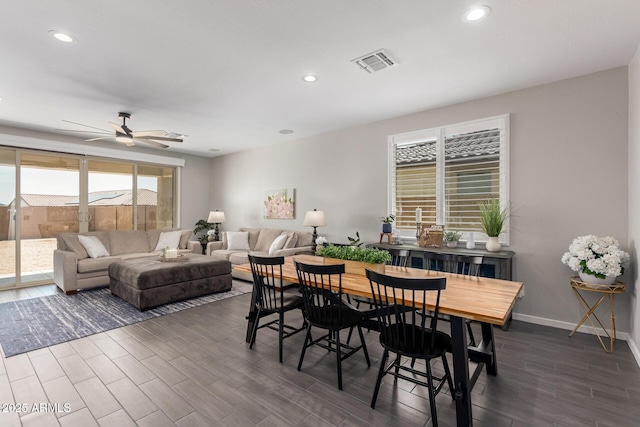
355, 258
386, 223
203, 225
452, 238
492, 219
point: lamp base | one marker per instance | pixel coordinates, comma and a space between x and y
314, 236
216, 234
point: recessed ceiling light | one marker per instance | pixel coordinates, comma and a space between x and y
475, 14
286, 131
310, 78
66, 38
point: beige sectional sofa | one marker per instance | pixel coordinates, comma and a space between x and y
74, 269
259, 243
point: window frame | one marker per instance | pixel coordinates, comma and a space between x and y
438, 133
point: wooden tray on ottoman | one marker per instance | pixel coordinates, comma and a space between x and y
149, 282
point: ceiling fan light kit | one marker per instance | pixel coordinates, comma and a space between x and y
124, 135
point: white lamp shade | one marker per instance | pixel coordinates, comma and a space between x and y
314, 219
216, 217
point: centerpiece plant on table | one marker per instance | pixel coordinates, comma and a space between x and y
597, 260
355, 253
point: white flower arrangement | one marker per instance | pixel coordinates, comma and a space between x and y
320, 241
598, 256
211, 232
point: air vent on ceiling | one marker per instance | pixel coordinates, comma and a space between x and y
376, 61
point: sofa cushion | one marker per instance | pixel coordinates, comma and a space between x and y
88, 265
254, 233
292, 241
266, 237
238, 241
70, 242
127, 242
278, 243
93, 246
304, 239
184, 239
223, 254
170, 239
243, 257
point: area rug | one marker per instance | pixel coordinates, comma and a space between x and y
41, 322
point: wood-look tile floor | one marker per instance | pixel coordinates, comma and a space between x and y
193, 368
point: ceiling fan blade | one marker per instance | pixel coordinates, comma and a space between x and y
97, 139
80, 124
85, 131
159, 138
148, 133
118, 128
152, 142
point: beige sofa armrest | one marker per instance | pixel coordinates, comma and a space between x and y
194, 246
214, 246
65, 271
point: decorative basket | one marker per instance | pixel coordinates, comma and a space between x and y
431, 236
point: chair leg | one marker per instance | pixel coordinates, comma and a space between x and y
432, 395
339, 355
397, 367
280, 333
254, 331
381, 372
307, 339
364, 345
349, 336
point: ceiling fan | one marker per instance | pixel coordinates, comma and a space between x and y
128, 137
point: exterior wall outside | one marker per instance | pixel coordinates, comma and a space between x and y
568, 160
634, 201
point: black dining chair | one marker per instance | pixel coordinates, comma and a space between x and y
271, 298
457, 264
409, 333
325, 308
399, 258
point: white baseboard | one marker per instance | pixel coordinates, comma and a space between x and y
634, 350
624, 336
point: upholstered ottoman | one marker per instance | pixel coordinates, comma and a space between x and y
149, 282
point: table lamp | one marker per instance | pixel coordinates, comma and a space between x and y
216, 217
314, 218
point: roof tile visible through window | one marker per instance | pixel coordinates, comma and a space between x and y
485, 142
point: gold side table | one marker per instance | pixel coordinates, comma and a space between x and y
590, 311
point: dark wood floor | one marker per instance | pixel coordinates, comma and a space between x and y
193, 368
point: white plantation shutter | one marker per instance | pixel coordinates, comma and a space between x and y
447, 172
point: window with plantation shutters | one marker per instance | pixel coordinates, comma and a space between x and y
447, 172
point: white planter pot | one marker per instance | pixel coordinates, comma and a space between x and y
493, 245
595, 282
452, 244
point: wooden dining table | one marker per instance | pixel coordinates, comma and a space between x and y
485, 300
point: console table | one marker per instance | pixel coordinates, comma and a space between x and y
502, 261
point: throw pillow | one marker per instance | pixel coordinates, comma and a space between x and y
93, 246
291, 242
169, 239
278, 243
237, 240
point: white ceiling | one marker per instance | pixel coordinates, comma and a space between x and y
228, 73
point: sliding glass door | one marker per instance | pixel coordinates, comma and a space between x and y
7, 217
49, 192
71, 193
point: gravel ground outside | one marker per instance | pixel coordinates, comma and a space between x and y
37, 255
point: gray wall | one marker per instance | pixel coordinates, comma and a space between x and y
568, 178
634, 198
